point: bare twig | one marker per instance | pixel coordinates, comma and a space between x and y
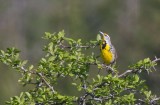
151, 102
125, 73
155, 99
77, 46
141, 102
22, 68
156, 59
46, 82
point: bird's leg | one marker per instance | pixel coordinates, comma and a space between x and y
110, 69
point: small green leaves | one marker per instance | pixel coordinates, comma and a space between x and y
126, 99
147, 94
136, 78
99, 37
75, 84
11, 58
66, 58
20, 100
30, 67
48, 35
143, 65
61, 34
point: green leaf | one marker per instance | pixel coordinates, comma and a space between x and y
147, 94
31, 67
61, 34
24, 62
99, 37
47, 35
99, 66
75, 84
2, 52
79, 40
99, 77
28, 95
43, 60
136, 78
51, 58
146, 60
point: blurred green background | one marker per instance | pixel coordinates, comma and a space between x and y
133, 25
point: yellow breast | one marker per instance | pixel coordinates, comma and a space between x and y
107, 54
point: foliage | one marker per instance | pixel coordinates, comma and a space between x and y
66, 57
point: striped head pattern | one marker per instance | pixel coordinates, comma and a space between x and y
106, 38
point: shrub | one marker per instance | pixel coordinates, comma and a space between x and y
66, 57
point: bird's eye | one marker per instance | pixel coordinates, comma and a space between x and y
105, 34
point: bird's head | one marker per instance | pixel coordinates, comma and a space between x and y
105, 37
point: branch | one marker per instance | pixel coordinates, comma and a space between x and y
100, 85
76, 46
46, 82
22, 68
107, 67
155, 99
125, 73
42, 77
156, 59
135, 71
151, 102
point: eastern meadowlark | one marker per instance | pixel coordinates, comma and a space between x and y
108, 51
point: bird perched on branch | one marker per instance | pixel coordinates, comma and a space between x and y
108, 51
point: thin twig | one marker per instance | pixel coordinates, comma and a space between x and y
45, 81
156, 59
22, 68
155, 99
76, 46
125, 73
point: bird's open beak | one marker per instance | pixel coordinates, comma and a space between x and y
101, 32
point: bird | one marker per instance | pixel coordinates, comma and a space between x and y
108, 51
